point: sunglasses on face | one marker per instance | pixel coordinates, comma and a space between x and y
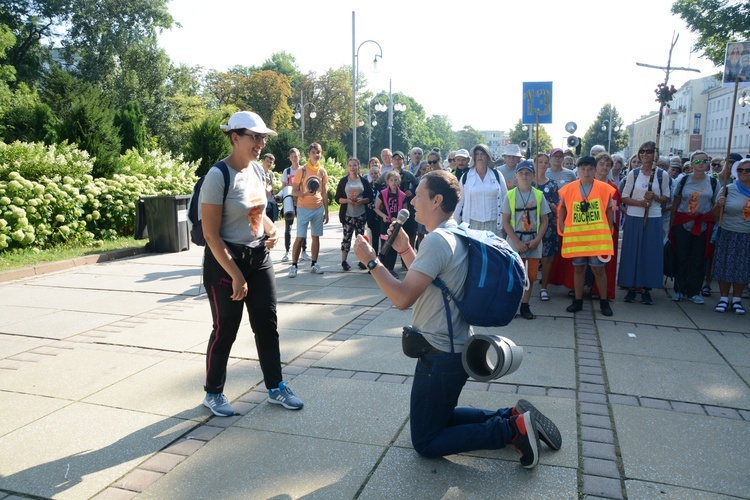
716, 164
743, 170
698, 162
451, 160
255, 137
434, 162
646, 152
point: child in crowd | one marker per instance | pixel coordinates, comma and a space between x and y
389, 203
586, 221
525, 217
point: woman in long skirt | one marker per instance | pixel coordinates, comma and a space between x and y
642, 252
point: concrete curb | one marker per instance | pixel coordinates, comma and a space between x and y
51, 267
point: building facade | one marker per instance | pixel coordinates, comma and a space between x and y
684, 124
496, 140
718, 114
641, 130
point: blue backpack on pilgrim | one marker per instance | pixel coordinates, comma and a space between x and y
494, 283
196, 226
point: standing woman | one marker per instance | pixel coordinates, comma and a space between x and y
237, 268
434, 162
604, 167
692, 224
550, 239
483, 191
353, 194
731, 264
642, 253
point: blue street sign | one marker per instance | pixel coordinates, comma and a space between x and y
537, 101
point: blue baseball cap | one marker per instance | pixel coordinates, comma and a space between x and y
525, 165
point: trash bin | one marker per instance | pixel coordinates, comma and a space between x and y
167, 222
141, 231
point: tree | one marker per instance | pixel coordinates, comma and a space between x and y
443, 135
518, 134
330, 95
468, 137
335, 150
284, 63
25, 118
598, 132
229, 88
263, 91
131, 123
185, 105
716, 22
268, 95
92, 34
207, 143
142, 76
280, 145
90, 124
7, 41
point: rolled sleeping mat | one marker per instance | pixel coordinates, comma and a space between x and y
287, 202
489, 357
313, 184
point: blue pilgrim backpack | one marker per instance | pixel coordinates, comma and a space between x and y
494, 282
196, 227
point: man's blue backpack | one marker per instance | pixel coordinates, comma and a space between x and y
494, 283
196, 226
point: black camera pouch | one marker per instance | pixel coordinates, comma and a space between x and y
413, 343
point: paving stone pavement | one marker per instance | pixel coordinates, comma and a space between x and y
101, 368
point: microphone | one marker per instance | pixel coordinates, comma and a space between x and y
401, 218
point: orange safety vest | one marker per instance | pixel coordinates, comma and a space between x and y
587, 234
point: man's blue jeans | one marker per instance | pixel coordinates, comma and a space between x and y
438, 428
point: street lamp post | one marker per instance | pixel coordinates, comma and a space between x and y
300, 114
371, 123
355, 70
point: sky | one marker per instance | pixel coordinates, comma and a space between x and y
466, 60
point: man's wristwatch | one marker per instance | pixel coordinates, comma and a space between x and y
373, 263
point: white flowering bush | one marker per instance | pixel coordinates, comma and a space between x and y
32, 160
65, 210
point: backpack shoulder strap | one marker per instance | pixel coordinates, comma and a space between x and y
681, 186
463, 177
636, 173
497, 174
224, 168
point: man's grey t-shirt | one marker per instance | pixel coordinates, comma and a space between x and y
562, 177
242, 215
441, 254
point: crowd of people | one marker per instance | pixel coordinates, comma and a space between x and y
648, 201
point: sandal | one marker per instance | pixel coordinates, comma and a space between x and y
706, 291
721, 306
737, 308
543, 295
